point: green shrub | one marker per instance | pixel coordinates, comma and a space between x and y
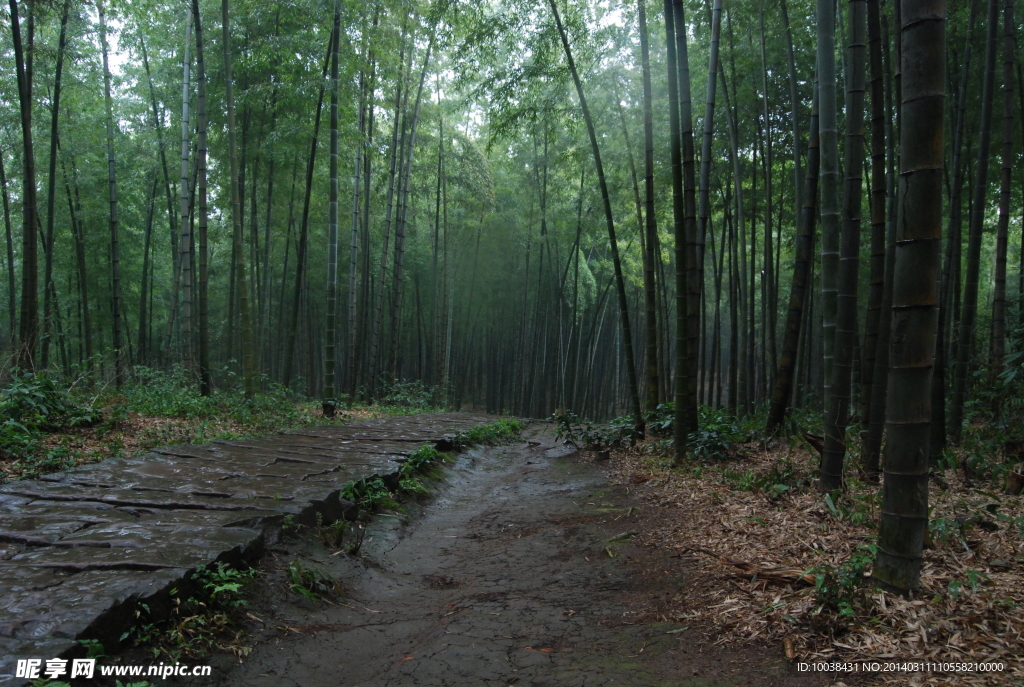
496, 432
717, 430
840, 590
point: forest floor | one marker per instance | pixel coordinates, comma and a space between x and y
772, 560
523, 566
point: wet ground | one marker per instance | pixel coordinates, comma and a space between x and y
81, 550
517, 570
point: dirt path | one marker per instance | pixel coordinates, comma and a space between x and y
503, 577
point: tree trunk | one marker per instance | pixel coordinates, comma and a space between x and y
185, 238
679, 79
998, 340
831, 473
769, 307
872, 448
381, 284
799, 285
952, 257
143, 353
201, 202
602, 182
12, 292
329, 401
29, 335
115, 262
400, 225
829, 134
877, 209
695, 256
651, 222
904, 511
300, 256
236, 212
794, 103
969, 310
51, 191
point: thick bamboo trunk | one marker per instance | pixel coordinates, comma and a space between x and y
205, 383
651, 222
837, 417
829, 135
904, 511
329, 402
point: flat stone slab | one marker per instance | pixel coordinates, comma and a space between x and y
80, 549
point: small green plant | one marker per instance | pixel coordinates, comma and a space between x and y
716, 433
496, 432
975, 578
780, 480
333, 535
659, 422
840, 590
414, 395
200, 624
309, 582
370, 493
93, 648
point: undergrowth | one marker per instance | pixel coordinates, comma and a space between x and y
201, 623
49, 423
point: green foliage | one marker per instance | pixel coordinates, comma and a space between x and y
31, 405
333, 535
780, 480
419, 459
841, 590
595, 435
499, 431
93, 648
411, 395
175, 394
311, 583
659, 422
37, 402
858, 507
370, 493
200, 624
975, 578
717, 430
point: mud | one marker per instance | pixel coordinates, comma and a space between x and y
518, 570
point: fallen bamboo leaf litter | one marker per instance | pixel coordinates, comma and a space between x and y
760, 552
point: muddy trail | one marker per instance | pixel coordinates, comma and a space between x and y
517, 570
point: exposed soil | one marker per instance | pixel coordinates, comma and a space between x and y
519, 569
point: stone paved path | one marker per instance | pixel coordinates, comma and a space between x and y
79, 549
514, 572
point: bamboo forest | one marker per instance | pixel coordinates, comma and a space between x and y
765, 257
